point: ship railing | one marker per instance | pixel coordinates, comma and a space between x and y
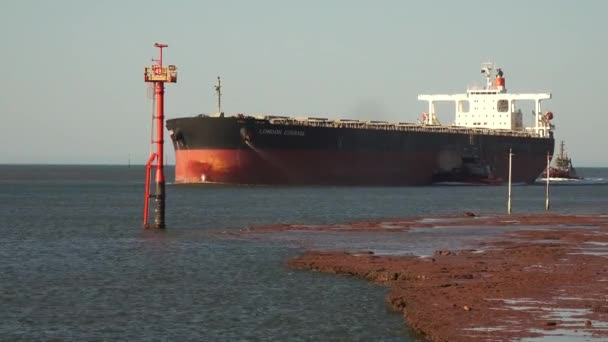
398, 126
347, 123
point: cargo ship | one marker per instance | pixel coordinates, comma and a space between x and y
282, 150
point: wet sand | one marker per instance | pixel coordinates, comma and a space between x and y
543, 276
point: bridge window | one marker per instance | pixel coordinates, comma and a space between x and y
503, 106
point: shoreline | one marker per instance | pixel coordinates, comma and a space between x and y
545, 277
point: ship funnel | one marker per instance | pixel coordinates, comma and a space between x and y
499, 81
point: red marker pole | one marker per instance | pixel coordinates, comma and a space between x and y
158, 74
159, 210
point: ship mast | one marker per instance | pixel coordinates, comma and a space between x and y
486, 69
218, 91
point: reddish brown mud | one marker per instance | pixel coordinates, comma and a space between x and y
548, 281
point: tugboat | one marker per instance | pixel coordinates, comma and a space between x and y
562, 168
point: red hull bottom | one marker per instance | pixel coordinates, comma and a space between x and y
560, 174
314, 167
248, 166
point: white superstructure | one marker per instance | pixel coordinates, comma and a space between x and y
491, 107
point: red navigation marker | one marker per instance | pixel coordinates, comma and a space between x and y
158, 74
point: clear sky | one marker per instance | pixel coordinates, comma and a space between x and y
72, 88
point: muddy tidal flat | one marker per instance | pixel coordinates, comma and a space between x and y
472, 277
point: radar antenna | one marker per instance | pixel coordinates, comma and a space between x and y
486, 70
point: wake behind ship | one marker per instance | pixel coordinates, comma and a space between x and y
244, 149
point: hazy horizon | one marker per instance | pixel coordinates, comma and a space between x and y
73, 91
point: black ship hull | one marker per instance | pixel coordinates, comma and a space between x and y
246, 150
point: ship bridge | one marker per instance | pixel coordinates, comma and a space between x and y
491, 107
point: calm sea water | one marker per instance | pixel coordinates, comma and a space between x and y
76, 265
